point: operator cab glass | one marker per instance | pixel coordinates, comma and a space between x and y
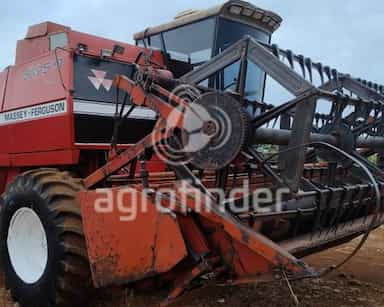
229, 32
196, 37
185, 47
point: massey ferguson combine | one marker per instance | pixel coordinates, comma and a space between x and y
161, 164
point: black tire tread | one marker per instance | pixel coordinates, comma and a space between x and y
60, 189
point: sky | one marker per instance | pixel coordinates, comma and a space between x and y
347, 35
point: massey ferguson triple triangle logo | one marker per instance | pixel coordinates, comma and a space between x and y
99, 80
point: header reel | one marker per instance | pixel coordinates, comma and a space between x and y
321, 160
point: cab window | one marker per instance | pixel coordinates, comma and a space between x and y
230, 32
191, 44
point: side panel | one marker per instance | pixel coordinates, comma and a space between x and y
128, 239
3, 83
44, 127
28, 49
38, 81
37, 115
45, 158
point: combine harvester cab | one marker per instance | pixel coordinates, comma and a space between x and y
212, 183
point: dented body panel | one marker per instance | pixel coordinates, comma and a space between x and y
125, 245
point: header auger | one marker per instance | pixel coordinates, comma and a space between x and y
173, 169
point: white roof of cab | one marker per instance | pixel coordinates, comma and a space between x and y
234, 9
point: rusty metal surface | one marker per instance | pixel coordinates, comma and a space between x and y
124, 251
328, 186
252, 248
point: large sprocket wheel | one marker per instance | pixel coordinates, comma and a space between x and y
223, 130
43, 248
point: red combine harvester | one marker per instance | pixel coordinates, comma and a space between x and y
161, 164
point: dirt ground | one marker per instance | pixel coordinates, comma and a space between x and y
359, 283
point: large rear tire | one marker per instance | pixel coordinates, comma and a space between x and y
43, 248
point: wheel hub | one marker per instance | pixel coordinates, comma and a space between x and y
27, 245
209, 128
225, 125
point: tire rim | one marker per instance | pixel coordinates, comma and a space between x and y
27, 245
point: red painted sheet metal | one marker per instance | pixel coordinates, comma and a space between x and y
32, 86
28, 49
3, 83
5, 160
95, 44
6, 176
247, 248
55, 157
37, 44
45, 28
39, 81
36, 135
3, 179
125, 244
